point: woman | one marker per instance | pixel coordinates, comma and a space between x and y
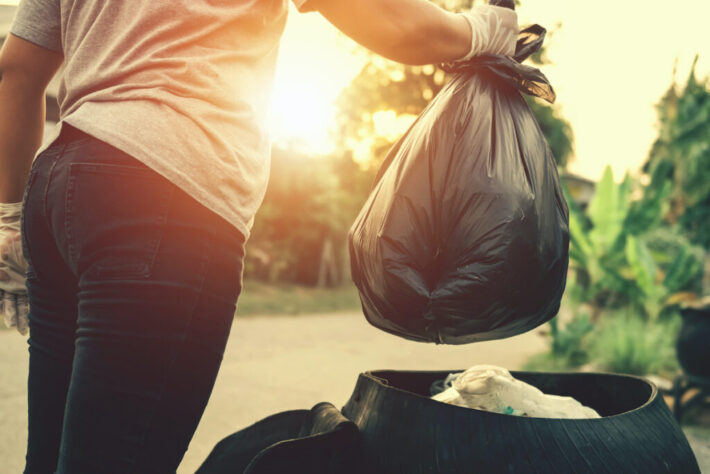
134, 219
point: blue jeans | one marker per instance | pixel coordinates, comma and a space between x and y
133, 287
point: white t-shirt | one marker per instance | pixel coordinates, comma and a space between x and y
181, 85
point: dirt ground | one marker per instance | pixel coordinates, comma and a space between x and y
273, 364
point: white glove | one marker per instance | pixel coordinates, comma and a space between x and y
490, 388
494, 30
14, 304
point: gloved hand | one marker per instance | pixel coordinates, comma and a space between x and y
14, 304
494, 31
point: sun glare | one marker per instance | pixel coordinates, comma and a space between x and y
301, 114
314, 66
390, 125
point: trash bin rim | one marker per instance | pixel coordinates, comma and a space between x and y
375, 376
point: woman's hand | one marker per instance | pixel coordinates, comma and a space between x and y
494, 30
14, 306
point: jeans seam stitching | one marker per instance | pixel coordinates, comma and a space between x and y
68, 215
207, 257
161, 220
45, 194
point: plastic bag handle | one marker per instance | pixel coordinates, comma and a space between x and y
529, 42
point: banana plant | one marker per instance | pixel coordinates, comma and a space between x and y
595, 254
610, 255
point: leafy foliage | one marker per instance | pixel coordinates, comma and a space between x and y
569, 345
679, 161
309, 201
384, 85
680, 263
621, 261
629, 270
568, 342
634, 260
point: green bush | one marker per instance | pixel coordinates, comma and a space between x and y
680, 158
621, 342
629, 344
636, 251
680, 261
569, 345
621, 260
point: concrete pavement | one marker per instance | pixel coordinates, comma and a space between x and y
272, 364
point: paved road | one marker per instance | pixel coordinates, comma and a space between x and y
701, 447
273, 364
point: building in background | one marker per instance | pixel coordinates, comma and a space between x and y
580, 189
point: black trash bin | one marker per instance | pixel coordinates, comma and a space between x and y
403, 431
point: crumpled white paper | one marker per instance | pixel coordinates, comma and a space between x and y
494, 389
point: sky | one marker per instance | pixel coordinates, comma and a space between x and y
611, 62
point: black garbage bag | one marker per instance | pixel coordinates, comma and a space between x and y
465, 236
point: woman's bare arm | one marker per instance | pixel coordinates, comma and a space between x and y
406, 31
25, 72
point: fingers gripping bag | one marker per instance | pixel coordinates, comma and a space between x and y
464, 236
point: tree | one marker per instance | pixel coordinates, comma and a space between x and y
300, 231
383, 86
302, 210
679, 161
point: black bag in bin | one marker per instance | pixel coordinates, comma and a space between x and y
464, 236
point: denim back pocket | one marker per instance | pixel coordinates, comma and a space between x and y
115, 216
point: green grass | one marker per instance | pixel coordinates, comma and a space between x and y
620, 342
628, 344
264, 299
278, 300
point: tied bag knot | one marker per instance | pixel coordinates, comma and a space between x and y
526, 79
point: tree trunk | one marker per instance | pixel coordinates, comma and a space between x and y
328, 270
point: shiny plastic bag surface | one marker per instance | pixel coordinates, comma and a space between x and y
464, 237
